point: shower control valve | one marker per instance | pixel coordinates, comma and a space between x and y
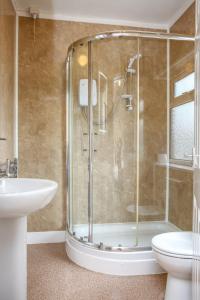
128, 99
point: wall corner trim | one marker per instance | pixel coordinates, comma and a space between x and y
46, 237
14, 5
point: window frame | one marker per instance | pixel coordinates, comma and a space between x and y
175, 102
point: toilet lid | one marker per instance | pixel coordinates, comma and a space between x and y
174, 243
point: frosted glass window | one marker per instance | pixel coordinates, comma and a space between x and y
182, 131
184, 85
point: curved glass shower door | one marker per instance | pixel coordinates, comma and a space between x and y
78, 141
116, 190
122, 186
103, 148
115, 72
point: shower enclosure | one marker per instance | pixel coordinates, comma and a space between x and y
120, 101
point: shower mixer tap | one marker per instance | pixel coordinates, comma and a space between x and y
130, 71
128, 99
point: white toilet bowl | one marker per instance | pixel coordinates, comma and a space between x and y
173, 252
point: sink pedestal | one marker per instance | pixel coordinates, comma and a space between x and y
13, 258
19, 197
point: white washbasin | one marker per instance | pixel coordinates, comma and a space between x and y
18, 198
22, 196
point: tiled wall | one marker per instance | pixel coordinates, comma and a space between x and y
7, 79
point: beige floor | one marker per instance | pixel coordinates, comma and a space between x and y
51, 276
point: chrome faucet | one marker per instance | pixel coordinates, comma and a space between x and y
9, 169
128, 99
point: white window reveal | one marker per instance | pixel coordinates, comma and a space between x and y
184, 85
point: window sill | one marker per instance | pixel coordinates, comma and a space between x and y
176, 166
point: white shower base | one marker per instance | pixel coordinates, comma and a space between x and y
125, 234
113, 235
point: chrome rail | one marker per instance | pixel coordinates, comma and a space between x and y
131, 33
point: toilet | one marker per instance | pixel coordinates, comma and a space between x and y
173, 251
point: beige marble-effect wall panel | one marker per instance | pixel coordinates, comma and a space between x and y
181, 198
42, 88
153, 108
42, 119
180, 180
7, 79
42, 122
186, 23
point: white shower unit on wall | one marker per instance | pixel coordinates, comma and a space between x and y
118, 93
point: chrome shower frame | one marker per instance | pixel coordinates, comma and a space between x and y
89, 40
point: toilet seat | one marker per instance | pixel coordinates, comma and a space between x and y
173, 251
175, 244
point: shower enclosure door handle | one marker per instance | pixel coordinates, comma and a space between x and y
84, 145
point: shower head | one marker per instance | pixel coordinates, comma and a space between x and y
133, 59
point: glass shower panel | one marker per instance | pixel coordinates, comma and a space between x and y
115, 79
182, 111
152, 139
78, 141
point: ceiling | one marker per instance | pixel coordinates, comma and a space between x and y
144, 13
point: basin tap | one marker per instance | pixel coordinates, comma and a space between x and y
9, 169
2, 170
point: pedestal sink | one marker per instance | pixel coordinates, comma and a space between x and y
18, 198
